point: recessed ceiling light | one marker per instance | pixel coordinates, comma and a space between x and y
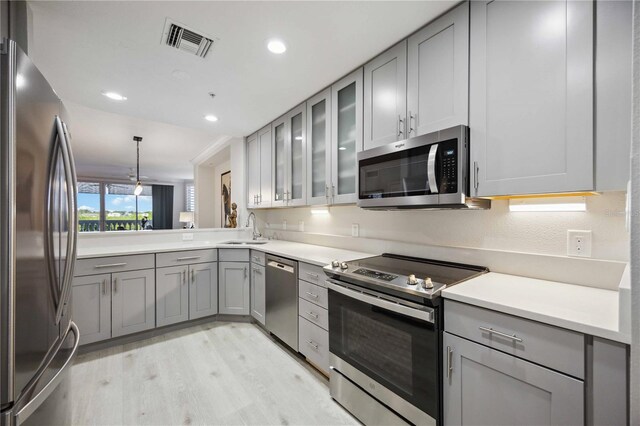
115, 96
276, 46
210, 117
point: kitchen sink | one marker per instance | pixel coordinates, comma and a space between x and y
240, 243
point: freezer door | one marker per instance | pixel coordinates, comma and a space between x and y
31, 192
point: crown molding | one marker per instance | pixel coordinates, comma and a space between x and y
212, 149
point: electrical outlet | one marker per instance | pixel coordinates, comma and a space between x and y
284, 225
579, 243
301, 226
355, 230
187, 237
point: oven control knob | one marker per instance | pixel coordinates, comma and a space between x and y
412, 280
427, 283
335, 264
344, 265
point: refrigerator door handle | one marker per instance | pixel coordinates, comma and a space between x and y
48, 237
37, 400
72, 224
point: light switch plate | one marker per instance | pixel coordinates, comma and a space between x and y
187, 237
579, 243
355, 230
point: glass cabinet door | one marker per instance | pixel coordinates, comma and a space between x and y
318, 148
295, 193
347, 137
279, 159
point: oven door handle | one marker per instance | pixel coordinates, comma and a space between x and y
424, 314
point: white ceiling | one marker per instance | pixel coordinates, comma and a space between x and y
103, 145
86, 47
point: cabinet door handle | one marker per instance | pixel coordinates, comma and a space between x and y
182, 259
476, 172
312, 344
313, 314
184, 273
110, 265
193, 276
400, 123
256, 270
315, 296
411, 129
312, 275
333, 193
501, 334
256, 258
449, 361
115, 285
259, 198
104, 287
326, 192
245, 272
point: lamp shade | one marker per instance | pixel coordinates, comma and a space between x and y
186, 217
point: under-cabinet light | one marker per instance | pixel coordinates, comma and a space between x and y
558, 204
320, 211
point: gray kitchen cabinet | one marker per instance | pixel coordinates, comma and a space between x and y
346, 137
203, 290
91, 304
258, 296
385, 97
253, 171
438, 74
485, 386
172, 295
531, 97
319, 148
133, 302
259, 168
289, 159
234, 288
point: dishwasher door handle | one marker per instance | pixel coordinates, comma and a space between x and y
281, 266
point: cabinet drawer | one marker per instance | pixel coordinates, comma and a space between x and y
314, 344
258, 257
313, 313
106, 265
553, 347
176, 258
233, 255
313, 293
312, 274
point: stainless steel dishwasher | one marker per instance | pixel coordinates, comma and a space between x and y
281, 317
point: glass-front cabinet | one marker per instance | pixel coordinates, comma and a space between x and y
346, 123
319, 148
289, 159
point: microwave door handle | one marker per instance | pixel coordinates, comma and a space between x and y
431, 169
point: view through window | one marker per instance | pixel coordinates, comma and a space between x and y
113, 207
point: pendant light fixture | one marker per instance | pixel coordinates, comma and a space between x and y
138, 190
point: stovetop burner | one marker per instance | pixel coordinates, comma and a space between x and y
419, 277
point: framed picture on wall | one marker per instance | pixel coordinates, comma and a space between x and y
225, 184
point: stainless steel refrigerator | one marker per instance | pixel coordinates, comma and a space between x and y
38, 228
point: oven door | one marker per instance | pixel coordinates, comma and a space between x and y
390, 343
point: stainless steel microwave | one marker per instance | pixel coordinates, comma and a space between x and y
424, 172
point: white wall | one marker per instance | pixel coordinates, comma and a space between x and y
494, 229
205, 200
179, 203
238, 182
217, 191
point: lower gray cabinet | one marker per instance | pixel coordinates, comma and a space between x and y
485, 386
172, 295
91, 304
258, 296
133, 302
203, 290
234, 288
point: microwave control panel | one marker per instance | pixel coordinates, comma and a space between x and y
448, 151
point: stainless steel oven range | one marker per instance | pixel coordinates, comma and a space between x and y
385, 336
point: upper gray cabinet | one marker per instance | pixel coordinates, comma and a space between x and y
531, 97
259, 168
346, 137
319, 148
438, 74
385, 97
289, 159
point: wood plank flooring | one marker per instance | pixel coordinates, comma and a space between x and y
211, 374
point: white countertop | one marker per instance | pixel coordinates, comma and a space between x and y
587, 310
317, 255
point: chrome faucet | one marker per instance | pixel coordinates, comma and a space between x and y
256, 234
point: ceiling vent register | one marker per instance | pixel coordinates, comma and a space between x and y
187, 40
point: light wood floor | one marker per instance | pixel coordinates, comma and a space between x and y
217, 373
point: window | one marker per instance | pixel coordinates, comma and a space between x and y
190, 192
113, 207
